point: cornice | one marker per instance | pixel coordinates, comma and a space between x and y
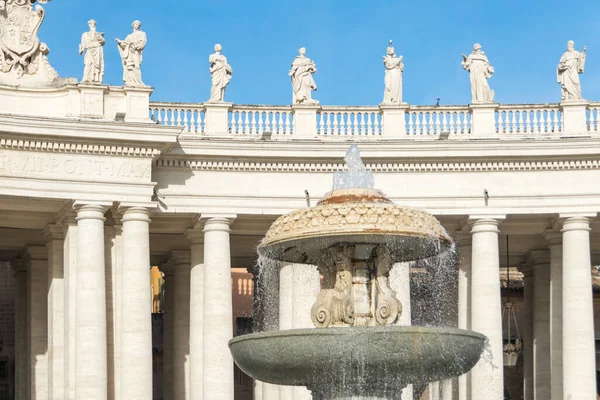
78, 148
382, 167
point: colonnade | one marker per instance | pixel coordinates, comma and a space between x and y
84, 304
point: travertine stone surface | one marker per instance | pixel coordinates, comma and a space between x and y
480, 71
570, 66
131, 50
303, 83
220, 72
393, 77
91, 44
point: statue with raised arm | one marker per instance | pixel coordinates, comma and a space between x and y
480, 71
393, 76
572, 63
131, 50
23, 57
91, 44
220, 72
303, 83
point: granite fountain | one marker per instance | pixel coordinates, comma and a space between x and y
354, 236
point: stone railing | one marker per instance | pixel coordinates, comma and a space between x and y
475, 121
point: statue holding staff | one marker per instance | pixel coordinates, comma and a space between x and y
572, 63
303, 83
480, 71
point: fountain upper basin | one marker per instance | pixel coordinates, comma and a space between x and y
375, 360
355, 216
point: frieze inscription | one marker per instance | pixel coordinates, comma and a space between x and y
22, 164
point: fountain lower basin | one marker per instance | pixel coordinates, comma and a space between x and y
366, 362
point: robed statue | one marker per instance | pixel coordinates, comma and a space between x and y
572, 63
91, 44
480, 71
393, 76
131, 50
303, 83
220, 72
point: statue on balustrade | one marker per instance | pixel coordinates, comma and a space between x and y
221, 73
131, 50
480, 71
23, 57
91, 44
303, 83
572, 63
393, 76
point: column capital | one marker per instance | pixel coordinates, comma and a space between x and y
463, 238
218, 222
179, 257
485, 223
553, 236
135, 213
31, 253
579, 222
54, 232
526, 269
90, 211
195, 236
538, 257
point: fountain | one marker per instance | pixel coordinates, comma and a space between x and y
354, 236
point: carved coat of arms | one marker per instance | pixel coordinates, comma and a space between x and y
22, 55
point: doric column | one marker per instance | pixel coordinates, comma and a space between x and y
180, 262
540, 261
218, 310
579, 364
486, 318
196, 240
36, 260
136, 315
286, 307
21, 328
56, 312
69, 223
91, 370
463, 244
168, 320
400, 283
528, 307
554, 239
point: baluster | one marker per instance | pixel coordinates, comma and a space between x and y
513, 122
555, 126
288, 123
246, 129
280, 122
354, 129
410, 126
159, 116
335, 125
461, 119
178, 117
537, 120
369, 118
328, 118
363, 130
343, 124
452, 122
444, 122
322, 117
195, 116
262, 118
595, 123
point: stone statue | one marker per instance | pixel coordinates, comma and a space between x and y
572, 63
23, 57
131, 50
91, 44
393, 76
481, 70
357, 176
220, 75
303, 83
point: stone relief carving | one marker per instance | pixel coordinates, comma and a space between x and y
220, 72
571, 65
23, 57
480, 71
131, 50
387, 307
91, 44
303, 83
393, 76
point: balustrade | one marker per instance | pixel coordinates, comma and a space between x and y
369, 122
519, 120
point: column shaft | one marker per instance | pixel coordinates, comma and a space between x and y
70, 270
91, 370
181, 325
56, 312
528, 327
554, 239
38, 321
168, 318
196, 239
400, 283
21, 344
541, 332
218, 311
464, 304
487, 376
579, 364
136, 318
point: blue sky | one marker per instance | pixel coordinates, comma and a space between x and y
347, 39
